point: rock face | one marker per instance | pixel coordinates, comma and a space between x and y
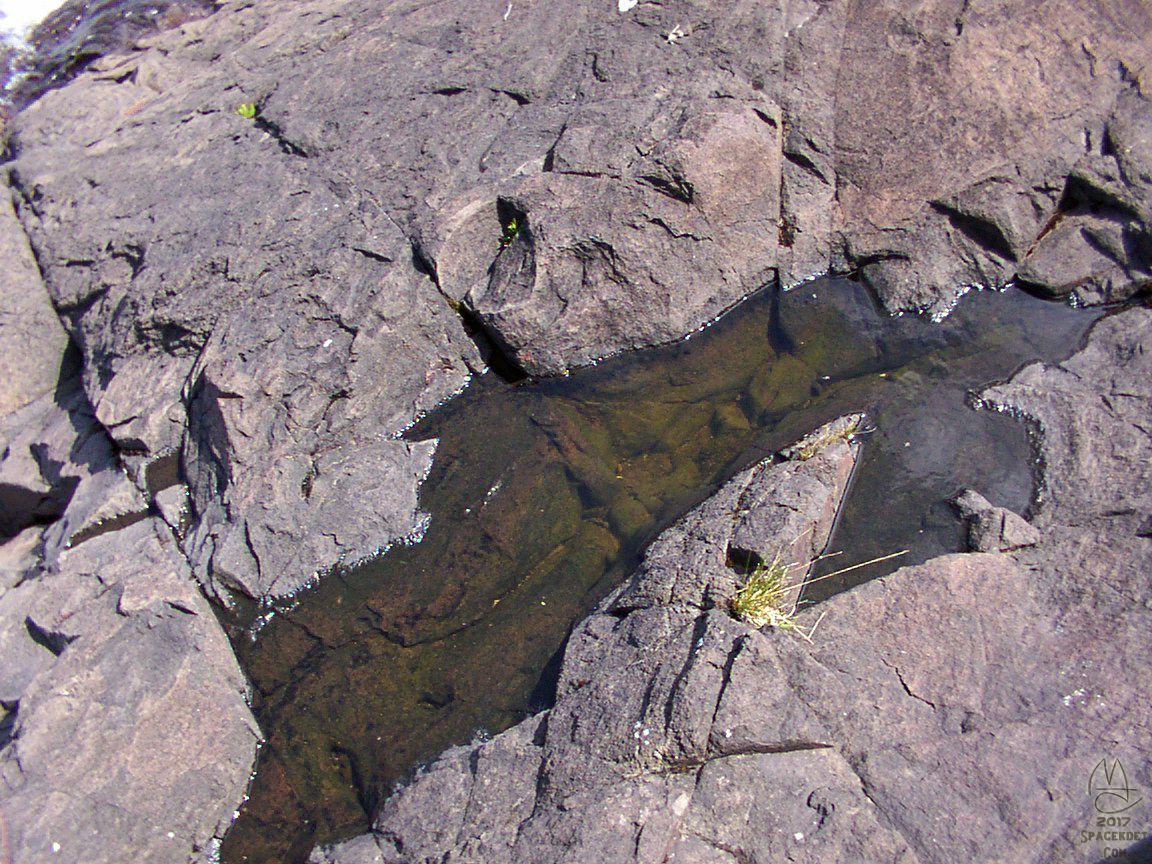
33, 345
274, 297
946, 710
259, 304
118, 654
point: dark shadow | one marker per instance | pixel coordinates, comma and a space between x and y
7, 723
1137, 853
544, 694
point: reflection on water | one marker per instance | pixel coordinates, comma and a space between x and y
542, 497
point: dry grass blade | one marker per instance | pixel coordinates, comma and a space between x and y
768, 597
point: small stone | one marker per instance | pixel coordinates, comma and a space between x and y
993, 529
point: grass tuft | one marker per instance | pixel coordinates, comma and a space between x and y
844, 429
768, 596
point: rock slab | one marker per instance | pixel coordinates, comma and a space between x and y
275, 297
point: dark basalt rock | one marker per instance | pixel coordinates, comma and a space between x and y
243, 301
270, 301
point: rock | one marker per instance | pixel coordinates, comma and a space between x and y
275, 298
281, 393
60, 468
982, 200
124, 721
131, 729
671, 641
1090, 413
32, 341
785, 513
17, 557
26, 650
993, 529
943, 710
360, 850
675, 209
304, 287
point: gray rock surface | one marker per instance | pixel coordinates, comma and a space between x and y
267, 302
123, 720
952, 711
277, 296
32, 342
131, 730
59, 467
993, 529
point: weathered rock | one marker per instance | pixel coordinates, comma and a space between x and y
758, 516
924, 212
32, 342
17, 556
60, 468
131, 729
676, 210
659, 164
1090, 413
273, 299
993, 529
124, 723
945, 710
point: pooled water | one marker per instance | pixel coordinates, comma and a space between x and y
542, 497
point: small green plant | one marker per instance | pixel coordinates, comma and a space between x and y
768, 597
511, 229
247, 110
763, 601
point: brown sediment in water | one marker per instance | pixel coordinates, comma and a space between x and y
543, 496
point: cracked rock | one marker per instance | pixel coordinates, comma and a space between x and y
119, 653
993, 529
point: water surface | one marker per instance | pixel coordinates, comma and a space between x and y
542, 497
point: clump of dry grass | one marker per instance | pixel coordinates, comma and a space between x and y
844, 429
768, 596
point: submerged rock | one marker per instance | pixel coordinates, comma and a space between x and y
993, 529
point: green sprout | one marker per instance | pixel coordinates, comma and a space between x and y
247, 110
511, 229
